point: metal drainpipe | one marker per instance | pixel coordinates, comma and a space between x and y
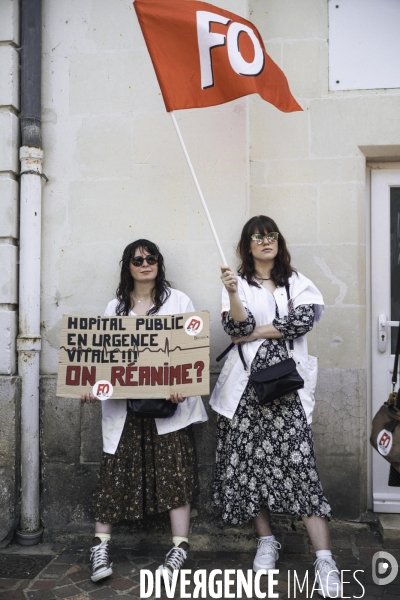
29, 341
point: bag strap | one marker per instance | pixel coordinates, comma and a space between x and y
225, 352
291, 346
242, 357
396, 360
396, 368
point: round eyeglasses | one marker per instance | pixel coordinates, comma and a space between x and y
271, 237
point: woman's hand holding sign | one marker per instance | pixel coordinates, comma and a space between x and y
89, 397
176, 398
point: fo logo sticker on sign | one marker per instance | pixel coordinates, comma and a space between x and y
194, 325
103, 389
384, 442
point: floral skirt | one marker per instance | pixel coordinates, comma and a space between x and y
148, 474
265, 457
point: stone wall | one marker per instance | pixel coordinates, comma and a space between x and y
9, 168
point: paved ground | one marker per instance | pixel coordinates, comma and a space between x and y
67, 573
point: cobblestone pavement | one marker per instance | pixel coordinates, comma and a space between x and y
67, 573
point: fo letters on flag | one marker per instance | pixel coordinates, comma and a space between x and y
208, 40
204, 55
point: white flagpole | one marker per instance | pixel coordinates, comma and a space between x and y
224, 263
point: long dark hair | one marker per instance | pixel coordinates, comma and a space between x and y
282, 268
127, 283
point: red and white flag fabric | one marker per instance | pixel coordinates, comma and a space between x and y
204, 55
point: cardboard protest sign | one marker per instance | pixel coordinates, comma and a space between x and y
134, 357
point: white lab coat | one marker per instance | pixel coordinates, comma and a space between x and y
261, 303
114, 410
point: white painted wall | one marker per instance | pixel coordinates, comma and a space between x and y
9, 168
117, 171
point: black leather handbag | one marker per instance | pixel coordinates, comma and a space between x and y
151, 408
277, 380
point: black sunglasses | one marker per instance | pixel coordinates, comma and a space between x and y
137, 261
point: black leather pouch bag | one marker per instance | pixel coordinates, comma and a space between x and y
151, 408
276, 381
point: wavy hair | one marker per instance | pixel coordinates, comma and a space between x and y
126, 283
282, 268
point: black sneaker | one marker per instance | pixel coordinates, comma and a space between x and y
100, 559
175, 559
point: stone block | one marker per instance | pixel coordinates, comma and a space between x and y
294, 208
10, 398
314, 170
9, 21
107, 83
91, 438
9, 140
258, 173
208, 515
8, 334
289, 19
9, 198
274, 134
336, 339
339, 431
8, 274
339, 125
204, 434
342, 213
9, 77
389, 526
60, 425
338, 270
66, 496
305, 64
104, 147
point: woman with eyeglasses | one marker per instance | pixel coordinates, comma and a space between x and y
148, 465
265, 461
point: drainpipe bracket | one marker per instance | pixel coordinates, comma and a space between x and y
31, 153
27, 343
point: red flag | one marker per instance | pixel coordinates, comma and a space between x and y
204, 55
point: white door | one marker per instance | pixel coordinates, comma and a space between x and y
385, 305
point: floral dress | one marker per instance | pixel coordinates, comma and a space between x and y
265, 454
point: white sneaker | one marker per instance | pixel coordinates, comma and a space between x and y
100, 560
267, 555
174, 559
329, 578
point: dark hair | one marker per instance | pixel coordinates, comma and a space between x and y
127, 283
282, 269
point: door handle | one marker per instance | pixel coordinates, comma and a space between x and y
383, 324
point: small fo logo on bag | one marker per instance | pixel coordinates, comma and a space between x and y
384, 442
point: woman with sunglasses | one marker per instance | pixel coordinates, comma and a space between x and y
265, 458
148, 465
